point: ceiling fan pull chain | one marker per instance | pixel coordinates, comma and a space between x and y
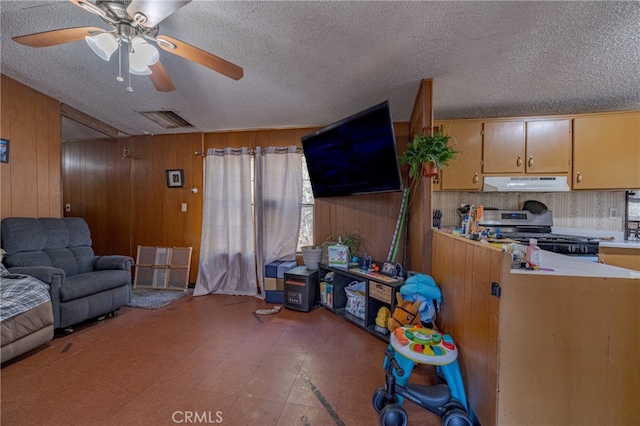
129, 88
119, 77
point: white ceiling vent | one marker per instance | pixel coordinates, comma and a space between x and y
168, 119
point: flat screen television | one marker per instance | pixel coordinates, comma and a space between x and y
356, 155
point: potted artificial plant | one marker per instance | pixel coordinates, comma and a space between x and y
428, 153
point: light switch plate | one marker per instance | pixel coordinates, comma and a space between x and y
184, 207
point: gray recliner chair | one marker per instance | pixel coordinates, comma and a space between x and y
58, 252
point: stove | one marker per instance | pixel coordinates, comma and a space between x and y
522, 225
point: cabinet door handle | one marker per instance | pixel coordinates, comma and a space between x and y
530, 162
475, 178
519, 161
579, 177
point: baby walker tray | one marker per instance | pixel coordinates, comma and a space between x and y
424, 345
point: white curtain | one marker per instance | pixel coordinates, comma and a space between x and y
278, 192
227, 252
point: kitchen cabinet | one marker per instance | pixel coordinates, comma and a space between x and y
548, 146
503, 147
465, 171
606, 151
531, 147
618, 256
539, 347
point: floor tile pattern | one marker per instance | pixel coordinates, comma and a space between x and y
204, 360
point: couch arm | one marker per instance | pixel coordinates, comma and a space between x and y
113, 262
52, 276
46, 274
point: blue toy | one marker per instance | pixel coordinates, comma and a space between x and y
422, 288
435, 398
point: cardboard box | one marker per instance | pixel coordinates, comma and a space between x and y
270, 284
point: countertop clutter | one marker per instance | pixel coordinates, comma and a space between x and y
559, 264
555, 264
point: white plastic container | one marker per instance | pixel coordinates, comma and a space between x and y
533, 255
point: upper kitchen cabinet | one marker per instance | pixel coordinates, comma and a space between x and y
606, 151
504, 147
548, 146
533, 147
464, 172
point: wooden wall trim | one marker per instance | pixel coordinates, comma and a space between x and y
420, 210
85, 119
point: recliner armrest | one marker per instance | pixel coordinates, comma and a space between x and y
112, 262
46, 274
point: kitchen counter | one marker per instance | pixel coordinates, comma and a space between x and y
558, 264
635, 244
617, 241
568, 334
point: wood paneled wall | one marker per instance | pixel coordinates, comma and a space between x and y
31, 181
97, 188
124, 197
372, 216
420, 209
157, 217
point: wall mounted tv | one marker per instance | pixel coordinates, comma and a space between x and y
356, 155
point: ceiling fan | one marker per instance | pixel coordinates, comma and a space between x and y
133, 24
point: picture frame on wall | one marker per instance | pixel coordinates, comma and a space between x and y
4, 151
175, 178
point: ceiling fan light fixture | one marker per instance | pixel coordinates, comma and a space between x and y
143, 71
141, 56
103, 44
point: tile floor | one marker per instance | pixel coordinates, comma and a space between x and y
206, 360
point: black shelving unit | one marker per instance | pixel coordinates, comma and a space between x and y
380, 291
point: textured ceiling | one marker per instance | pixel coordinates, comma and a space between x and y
312, 63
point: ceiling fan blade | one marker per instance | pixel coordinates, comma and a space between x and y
160, 79
154, 10
89, 7
199, 56
52, 38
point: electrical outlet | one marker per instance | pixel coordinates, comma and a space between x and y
184, 207
67, 207
613, 213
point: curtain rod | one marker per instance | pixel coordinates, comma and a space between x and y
245, 150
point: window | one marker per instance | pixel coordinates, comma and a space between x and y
306, 220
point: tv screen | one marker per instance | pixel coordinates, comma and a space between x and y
356, 155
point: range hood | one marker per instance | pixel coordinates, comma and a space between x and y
525, 184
